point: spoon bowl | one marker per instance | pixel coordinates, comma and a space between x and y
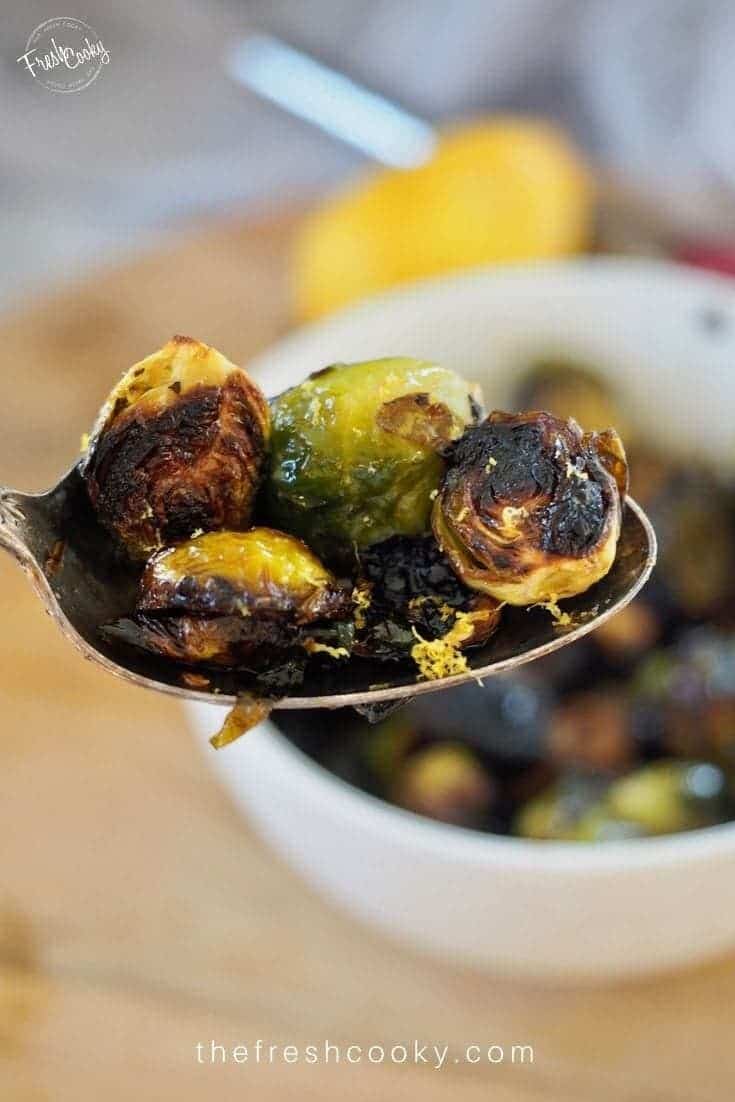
84, 582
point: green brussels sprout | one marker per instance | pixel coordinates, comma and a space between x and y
354, 456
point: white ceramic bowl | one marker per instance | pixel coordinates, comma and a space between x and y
555, 910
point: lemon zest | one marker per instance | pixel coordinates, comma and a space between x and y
437, 658
561, 619
312, 647
362, 600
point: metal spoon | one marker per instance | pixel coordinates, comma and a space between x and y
84, 582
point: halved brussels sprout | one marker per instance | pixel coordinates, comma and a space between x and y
179, 447
529, 511
222, 598
355, 451
256, 573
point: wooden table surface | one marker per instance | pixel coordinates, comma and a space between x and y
138, 913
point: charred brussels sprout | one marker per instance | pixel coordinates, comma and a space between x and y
410, 602
179, 446
226, 598
530, 509
355, 451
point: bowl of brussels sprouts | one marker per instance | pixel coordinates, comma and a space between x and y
577, 819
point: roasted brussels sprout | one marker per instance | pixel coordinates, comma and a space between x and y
670, 796
591, 731
662, 798
694, 517
179, 447
719, 724
687, 691
557, 813
226, 598
384, 747
650, 473
448, 782
260, 572
529, 511
411, 602
355, 451
629, 633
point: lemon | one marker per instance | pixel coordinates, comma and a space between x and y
496, 190
347, 248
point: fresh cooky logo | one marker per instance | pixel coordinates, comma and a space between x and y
64, 54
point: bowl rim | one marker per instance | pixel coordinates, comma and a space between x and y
418, 831
615, 268
283, 759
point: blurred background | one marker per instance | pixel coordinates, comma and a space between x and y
174, 187
644, 87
